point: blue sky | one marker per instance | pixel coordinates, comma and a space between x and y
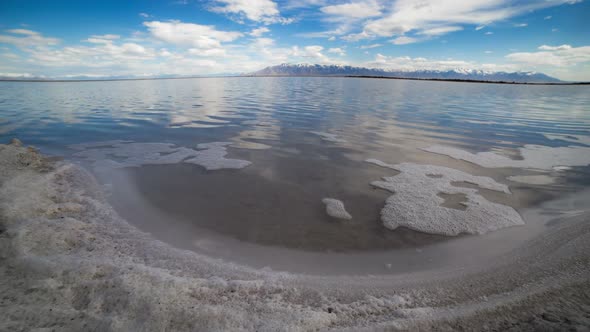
198, 37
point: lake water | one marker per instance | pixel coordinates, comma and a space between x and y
307, 139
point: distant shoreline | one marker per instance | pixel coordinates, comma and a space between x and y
331, 76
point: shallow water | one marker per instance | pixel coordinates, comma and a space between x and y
276, 202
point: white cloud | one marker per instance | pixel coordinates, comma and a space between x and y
144, 15
203, 37
419, 63
556, 56
353, 10
489, 33
555, 48
364, 47
488, 52
259, 31
265, 11
479, 27
521, 25
440, 30
548, 17
439, 15
403, 40
337, 50
25, 39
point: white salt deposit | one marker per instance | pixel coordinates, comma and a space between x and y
416, 204
532, 179
119, 154
328, 137
533, 156
335, 209
70, 263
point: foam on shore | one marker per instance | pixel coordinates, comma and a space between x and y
533, 156
335, 209
416, 204
69, 262
130, 154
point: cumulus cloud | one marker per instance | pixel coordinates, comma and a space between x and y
557, 56
337, 50
354, 10
419, 63
259, 31
202, 39
265, 11
554, 48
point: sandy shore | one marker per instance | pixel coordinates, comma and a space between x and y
69, 262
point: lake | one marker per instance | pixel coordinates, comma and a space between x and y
291, 142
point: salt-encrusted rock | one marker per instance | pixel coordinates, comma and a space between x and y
416, 204
335, 209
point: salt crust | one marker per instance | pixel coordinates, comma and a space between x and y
534, 156
335, 209
416, 205
129, 154
69, 262
328, 137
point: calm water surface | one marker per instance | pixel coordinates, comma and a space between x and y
277, 200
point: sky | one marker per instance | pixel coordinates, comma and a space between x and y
142, 38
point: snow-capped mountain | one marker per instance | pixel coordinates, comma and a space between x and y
455, 74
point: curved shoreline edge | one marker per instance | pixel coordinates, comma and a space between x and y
69, 262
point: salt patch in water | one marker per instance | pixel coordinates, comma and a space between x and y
533, 156
417, 205
335, 209
128, 154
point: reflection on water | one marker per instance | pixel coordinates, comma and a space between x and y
277, 200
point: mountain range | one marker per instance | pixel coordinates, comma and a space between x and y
455, 74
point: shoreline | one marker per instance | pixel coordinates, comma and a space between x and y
315, 76
70, 262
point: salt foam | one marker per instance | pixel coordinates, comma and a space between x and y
534, 156
416, 203
130, 154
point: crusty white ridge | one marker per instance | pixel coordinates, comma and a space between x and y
416, 205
